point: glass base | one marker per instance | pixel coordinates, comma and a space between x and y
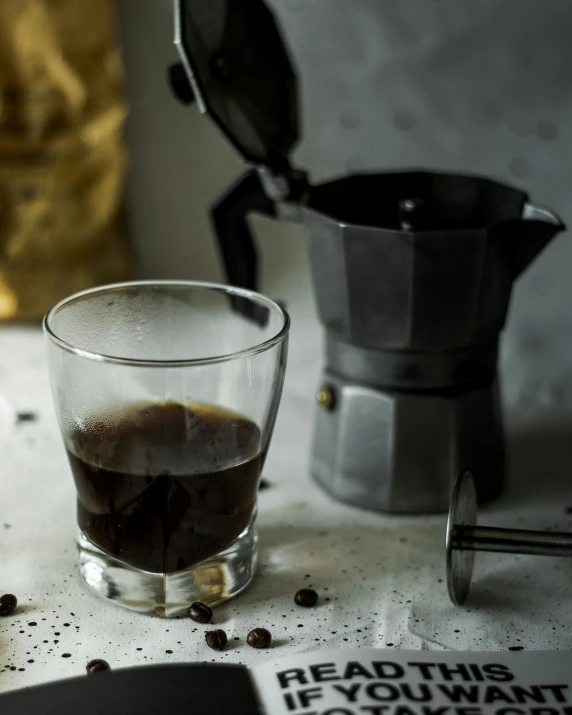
168, 595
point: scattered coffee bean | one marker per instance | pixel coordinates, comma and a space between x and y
264, 484
306, 597
216, 639
26, 416
8, 603
97, 666
200, 612
259, 638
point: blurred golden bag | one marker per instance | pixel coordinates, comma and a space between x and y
62, 153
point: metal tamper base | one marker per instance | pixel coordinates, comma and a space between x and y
460, 562
464, 537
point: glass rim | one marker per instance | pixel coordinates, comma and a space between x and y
251, 295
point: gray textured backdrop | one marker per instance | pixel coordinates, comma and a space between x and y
456, 84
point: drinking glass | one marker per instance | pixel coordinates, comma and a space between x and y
166, 393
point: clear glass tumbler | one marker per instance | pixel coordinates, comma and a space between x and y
166, 393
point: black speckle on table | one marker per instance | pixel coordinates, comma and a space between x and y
26, 417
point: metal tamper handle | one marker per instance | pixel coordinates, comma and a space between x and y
464, 537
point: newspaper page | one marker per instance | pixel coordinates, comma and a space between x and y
383, 682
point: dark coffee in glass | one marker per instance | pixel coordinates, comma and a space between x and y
165, 486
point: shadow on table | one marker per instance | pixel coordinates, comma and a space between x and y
343, 558
522, 603
393, 535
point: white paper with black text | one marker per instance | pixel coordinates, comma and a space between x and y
384, 682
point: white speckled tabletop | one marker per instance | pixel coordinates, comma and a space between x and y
380, 578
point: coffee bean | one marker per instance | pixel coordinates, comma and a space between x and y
97, 666
8, 604
264, 484
306, 597
200, 612
216, 639
259, 638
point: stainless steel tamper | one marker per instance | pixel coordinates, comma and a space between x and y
464, 538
